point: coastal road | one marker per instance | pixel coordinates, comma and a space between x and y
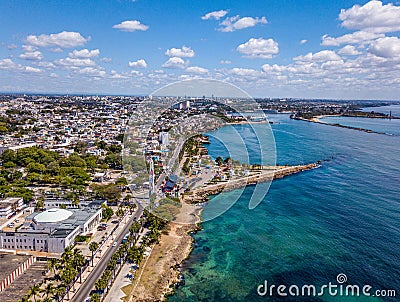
85, 289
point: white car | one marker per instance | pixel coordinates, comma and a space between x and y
114, 244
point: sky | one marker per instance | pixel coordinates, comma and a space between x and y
269, 48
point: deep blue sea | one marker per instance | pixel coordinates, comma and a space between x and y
343, 217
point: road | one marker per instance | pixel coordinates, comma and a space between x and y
85, 289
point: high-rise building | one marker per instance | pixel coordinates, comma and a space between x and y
164, 138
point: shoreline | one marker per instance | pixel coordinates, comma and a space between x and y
318, 121
162, 270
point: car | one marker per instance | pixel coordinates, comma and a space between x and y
16, 220
115, 244
11, 225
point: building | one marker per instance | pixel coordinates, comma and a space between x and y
164, 138
10, 206
52, 230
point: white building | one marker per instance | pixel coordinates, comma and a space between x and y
164, 138
52, 230
10, 206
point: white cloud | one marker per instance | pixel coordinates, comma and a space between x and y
259, 48
12, 46
245, 72
175, 63
358, 37
7, 64
31, 55
225, 62
196, 69
184, 52
388, 47
304, 41
31, 69
322, 56
106, 60
215, 15
234, 23
63, 39
73, 62
131, 25
84, 53
349, 50
138, 64
372, 16
92, 72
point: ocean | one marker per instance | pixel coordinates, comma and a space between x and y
342, 218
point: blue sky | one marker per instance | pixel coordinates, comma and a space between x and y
297, 48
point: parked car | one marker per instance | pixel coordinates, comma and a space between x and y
11, 225
115, 244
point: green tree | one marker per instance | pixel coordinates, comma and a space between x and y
34, 291
93, 246
48, 290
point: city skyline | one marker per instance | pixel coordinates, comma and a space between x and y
303, 49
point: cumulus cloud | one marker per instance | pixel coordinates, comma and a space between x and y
245, 72
304, 41
92, 72
259, 48
31, 55
234, 23
372, 16
225, 62
7, 64
175, 63
184, 52
358, 37
388, 47
31, 69
196, 69
63, 39
215, 15
322, 56
349, 50
138, 64
131, 25
84, 53
74, 62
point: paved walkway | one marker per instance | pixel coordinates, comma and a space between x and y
115, 293
99, 255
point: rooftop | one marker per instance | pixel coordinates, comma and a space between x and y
52, 215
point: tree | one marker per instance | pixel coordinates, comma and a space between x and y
52, 264
25, 299
120, 212
93, 246
48, 290
33, 291
40, 203
95, 297
59, 292
219, 161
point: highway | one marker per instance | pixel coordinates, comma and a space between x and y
85, 288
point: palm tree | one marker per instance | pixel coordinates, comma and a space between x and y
59, 292
48, 290
52, 264
25, 299
93, 246
33, 291
95, 298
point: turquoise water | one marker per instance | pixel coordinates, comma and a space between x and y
341, 218
389, 126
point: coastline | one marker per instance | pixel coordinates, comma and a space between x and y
160, 275
318, 121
